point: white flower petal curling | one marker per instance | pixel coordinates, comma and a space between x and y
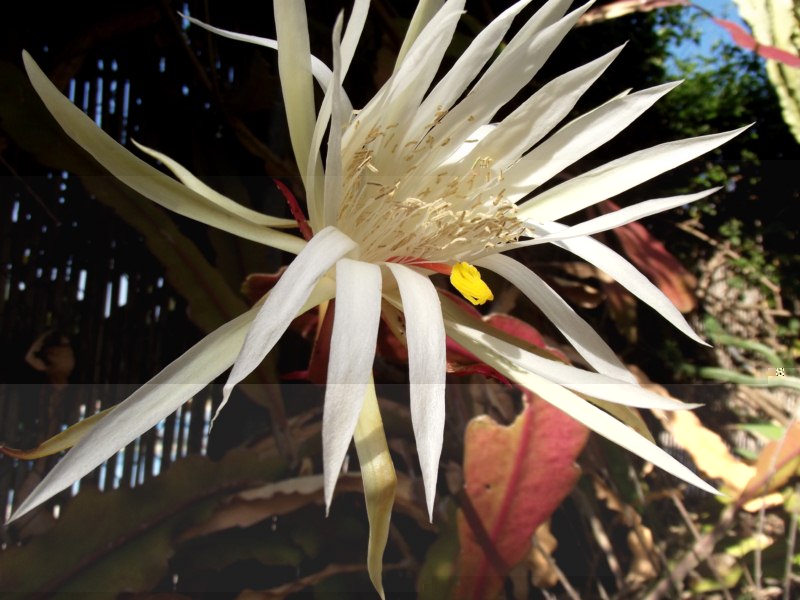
285, 301
143, 178
588, 414
578, 380
576, 139
193, 183
427, 365
617, 176
628, 276
579, 333
154, 401
352, 352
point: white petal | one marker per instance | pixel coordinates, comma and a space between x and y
618, 176
286, 300
352, 352
422, 16
466, 68
507, 75
143, 178
352, 34
294, 66
574, 141
411, 81
193, 183
538, 115
148, 405
426, 370
591, 384
579, 333
334, 186
319, 69
628, 276
591, 416
608, 221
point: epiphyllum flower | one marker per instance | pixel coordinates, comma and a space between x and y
418, 181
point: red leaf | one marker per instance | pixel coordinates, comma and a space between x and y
515, 477
651, 257
748, 42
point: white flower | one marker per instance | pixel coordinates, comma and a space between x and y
419, 180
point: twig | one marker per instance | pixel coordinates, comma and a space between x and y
696, 535
600, 535
571, 592
701, 550
790, 542
773, 287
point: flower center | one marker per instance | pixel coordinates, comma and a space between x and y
450, 213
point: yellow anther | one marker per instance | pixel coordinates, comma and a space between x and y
467, 280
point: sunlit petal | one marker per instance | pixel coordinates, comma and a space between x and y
628, 276
154, 401
353, 340
553, 232
588, 414
143, 178
426, 370
579, 333
286, 300
538, 115
380, 482
225, 203
467, 67
574, 141
618, 176
578, 380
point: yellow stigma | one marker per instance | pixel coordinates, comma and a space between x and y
467, 280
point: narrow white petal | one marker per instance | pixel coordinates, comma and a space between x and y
352, 352
352, 34
422, 16
193, 183
333, 186
380, 482
507, 75
319, 69
411, 81
143, 178
574, 141
465, 149
609, 221
618, 176
628, 276
578, 380
579, 333
538, 115
148, 405
591, 416
285, 301
426, 370
294, 66
467, 67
